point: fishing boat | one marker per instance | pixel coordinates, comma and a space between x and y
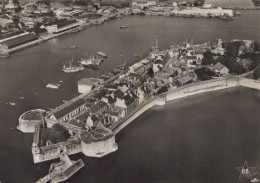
102, 54
123, 27
70, 68
90, 61
10, 103
52, 86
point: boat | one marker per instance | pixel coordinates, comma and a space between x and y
11, 103
155, 47
70, 68
238, 13
73, 46
52, 86
21, 98
102, 54
123, 27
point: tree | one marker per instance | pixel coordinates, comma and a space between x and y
232, 48
199, 2
207, 58
256, 46
257, 72
150, 72
162, 90
204, 73
55, 134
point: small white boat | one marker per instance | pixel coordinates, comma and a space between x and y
255, 180
123, 27
12, 103
53, 86
21, 98
73, 46
102, 54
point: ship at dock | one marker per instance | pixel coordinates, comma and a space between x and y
69, 68
91, 62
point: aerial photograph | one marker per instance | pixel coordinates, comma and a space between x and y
130, 91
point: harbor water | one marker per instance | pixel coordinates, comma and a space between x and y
200, 139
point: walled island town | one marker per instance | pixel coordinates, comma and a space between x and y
89, 122
129, 91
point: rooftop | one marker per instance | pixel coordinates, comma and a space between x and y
68, 108
99, 134
219, 66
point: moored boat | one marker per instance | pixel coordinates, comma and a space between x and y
102, 54
52, 86
71, 68
123, 27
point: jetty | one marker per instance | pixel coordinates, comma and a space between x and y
62, 170
45, 179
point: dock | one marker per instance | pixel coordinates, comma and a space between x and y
45, 179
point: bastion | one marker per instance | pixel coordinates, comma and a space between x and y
30, 119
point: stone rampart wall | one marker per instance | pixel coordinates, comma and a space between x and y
250, 83
186, 90
27, 126
53, 151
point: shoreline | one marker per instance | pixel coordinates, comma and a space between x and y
95, 22
75, 146
184, 92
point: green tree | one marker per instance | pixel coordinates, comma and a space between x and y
257, 72
207, 58
150, 72
204, 73
256, 46
162, 90
199, 2
55, 134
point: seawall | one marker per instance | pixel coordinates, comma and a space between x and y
184, 91
50, 152
28, 125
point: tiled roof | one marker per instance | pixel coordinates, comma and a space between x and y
191, 57
118, 94
128, 100
99, 105
69, 108
4, 36
219, 66
113, 113
111, 86
75, 123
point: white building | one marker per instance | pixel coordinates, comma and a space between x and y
221, 69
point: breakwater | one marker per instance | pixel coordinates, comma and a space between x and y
184, 91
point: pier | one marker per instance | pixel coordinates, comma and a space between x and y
45, 179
